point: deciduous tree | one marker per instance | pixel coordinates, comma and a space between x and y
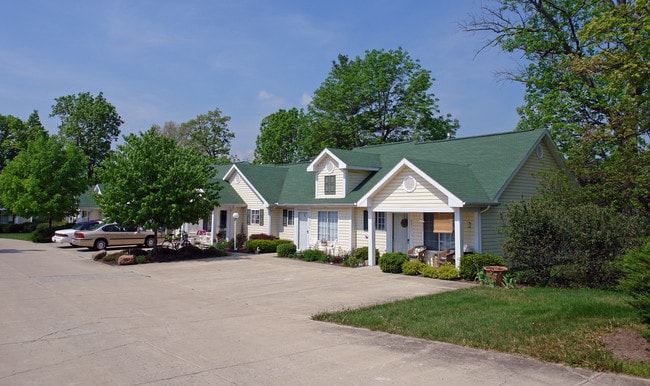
152, 181
281, 138
91, 122
209, 134
44, 179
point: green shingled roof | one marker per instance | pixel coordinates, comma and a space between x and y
474, 169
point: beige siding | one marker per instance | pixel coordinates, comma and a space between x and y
361, 236
523, 185
417, 229
354, 178
321, 172
392, 195
344, 227
469, 233
286, 232
246, 193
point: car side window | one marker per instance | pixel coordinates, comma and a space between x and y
111, 228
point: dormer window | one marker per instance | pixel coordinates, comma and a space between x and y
330, 185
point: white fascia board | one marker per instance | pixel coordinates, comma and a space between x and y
452, 200
323, 154
234, 169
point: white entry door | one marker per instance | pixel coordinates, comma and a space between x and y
401, 226
303, 231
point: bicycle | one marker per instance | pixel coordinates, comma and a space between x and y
172, 242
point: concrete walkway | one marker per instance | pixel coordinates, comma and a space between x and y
240, 320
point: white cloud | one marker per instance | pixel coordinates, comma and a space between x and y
270, 100
305, 99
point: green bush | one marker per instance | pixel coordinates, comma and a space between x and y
141, 259
447, 272
352, 262
362, 253
471, 264
286, 249
636, 279
314, 255
391, 262
568, 246
43, 233
429, 271
265, 246
412, 267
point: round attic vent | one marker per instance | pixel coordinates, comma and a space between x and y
237, 179
539, 150
409, 183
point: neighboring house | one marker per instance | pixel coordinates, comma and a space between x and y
88, 208
446, 194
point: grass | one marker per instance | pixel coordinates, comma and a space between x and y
553, 325
16, 236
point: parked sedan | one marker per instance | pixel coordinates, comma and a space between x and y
66, 235
101, 236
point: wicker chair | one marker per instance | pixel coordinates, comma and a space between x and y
417, 252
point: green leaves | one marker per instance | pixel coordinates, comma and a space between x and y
154, 182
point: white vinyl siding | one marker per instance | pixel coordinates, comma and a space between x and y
246, 193
392, 197
354, 178
320, 184
523, 185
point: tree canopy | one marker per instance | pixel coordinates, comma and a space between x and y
44, 179
209, 134
380, 98
15, 134
281, 138
587, 78
152, 181
91, 122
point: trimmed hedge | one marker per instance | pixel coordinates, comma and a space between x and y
447, 272
264, 245
391, 262
314, 255
471, 264
286, 249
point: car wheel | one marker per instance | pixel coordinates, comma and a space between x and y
149, 242
100, 244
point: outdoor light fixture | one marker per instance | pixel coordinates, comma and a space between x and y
235, 216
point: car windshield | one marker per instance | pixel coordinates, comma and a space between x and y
83, 226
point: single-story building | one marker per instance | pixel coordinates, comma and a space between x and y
446, 195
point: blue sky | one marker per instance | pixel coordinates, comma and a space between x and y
159, 61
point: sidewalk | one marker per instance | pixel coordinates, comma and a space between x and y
239, 320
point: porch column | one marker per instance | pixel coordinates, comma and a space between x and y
372, 259
458, 231
213, 227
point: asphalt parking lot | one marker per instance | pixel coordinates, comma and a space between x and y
239, 320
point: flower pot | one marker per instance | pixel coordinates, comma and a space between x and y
496, 272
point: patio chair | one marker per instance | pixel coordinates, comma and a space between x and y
417, 252
446, 256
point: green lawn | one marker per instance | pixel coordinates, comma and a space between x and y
16, 236
554, 325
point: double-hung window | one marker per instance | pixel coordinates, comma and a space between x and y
380, 221
439, 231
330, 185
255, 216
328, 226
287, 217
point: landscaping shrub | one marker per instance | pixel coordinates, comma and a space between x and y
353, 262
141, 259
43, 233
286, 249
429, 271
241, 240
447, 272
471, 264
264, 245
412, 267
261, 236
636, 279
362, 253
391, 262
568, 246
314, 255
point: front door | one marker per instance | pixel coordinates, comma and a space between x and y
400, 232
303, 231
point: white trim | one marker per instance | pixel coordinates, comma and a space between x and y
321, 156
235, 169
452, 200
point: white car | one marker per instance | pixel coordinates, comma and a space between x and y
66, 235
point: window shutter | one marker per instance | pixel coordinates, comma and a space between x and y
261, 216
248, 216
443, 223
285, 217
365, 220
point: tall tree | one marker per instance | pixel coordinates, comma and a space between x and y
16, 134
44, 179
173, 130
209, 134
89, 121
154, 182
281, 138
587, 77
383, 97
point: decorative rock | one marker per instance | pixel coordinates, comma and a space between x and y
99, 255
126, 260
